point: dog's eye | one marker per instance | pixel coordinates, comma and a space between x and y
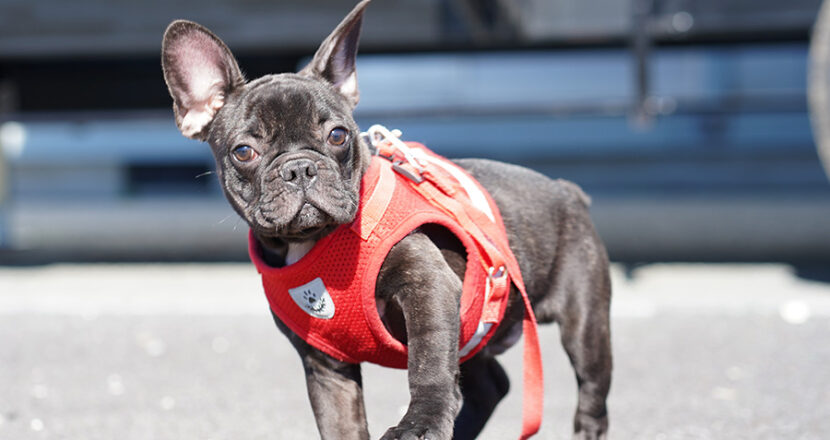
338, 136
244, 153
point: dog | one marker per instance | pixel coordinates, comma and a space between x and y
290, 161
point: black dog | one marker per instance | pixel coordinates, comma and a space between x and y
290, 162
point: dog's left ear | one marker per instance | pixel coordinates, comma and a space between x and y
335, 59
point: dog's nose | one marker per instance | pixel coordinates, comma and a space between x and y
299, 171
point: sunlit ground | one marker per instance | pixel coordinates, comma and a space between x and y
189, 351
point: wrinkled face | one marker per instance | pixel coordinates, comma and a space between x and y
287, 148
288, 156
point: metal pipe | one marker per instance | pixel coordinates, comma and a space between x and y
641, 21
4, 196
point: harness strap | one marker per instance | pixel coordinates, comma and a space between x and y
533, 392
376, 204
439, 193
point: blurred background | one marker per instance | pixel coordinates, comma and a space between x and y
686, 121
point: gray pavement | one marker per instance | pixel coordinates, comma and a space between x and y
189, 351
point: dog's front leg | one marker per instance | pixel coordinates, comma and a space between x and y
416, 277
335, 390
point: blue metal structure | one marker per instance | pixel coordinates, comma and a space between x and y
698, 148
730, 128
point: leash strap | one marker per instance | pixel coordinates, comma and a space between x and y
533, 393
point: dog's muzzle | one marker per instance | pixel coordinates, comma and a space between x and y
300, 172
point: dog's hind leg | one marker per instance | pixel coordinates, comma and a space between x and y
483, 384
585, 332
578, 297
586, 340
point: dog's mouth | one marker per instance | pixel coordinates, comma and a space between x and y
297, 215
307, 234
309, 223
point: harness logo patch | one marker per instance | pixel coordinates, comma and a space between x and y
314, 299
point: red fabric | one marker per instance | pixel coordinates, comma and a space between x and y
349, 259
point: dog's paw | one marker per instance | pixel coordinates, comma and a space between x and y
409, 430
588, 427
414, 433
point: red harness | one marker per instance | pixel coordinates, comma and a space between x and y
327, 297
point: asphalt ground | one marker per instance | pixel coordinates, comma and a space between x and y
178, 351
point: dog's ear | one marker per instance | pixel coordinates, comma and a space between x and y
335, 59
200, 72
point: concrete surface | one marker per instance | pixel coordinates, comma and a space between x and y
189, 351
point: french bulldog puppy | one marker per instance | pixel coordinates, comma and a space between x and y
290, 160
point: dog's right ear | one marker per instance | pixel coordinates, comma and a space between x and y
200, 72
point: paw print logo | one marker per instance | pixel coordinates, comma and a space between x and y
314, 299
314, 303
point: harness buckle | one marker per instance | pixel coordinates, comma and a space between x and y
381, 139
378, 134
496, 272
400, 167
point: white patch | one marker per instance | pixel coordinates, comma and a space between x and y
37, 425
795, 312
167, 403
196, 119
477, 198
205, 80
349, 86
296, 251
12, 139
314, 299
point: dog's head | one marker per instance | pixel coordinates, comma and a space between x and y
287, 149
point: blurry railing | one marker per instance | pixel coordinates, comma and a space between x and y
722, 166
729, 146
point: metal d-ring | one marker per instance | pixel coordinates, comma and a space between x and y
497, 273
